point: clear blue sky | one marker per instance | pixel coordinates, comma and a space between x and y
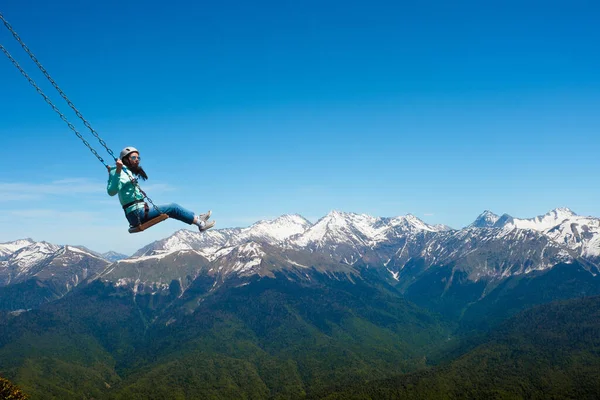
256, 109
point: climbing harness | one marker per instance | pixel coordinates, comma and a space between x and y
133, 229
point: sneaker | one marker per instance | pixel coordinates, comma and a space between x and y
204, 226
205, 217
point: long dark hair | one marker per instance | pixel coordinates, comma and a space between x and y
137, 171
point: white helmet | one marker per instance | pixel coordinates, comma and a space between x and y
127, 151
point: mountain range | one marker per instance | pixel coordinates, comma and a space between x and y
401, 249
283, 308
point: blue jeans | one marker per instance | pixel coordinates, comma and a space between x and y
173, 210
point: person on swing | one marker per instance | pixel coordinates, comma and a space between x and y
136, 210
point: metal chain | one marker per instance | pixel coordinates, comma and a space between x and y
56, 110
72, 127
60, 114
58, 89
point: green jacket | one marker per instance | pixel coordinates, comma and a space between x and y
122, 185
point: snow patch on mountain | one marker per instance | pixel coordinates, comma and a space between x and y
83, 252
544, 222
177, 242
156, 256
273, 231
6, 249
411, 222
578, 233
222, 252
593, 247
243, 259
242, 266
489, 253
340, 227
205, 243
27, 257
248, 255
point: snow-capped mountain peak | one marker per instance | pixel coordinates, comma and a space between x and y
64, 265
493, 247
341, 227
293, 231
79, 250
487, 219
274, 231
185, 239
6, 249
358, 231
412, 223
564, 211
113, 256
28, 256
208, 243
181, 240
543, 222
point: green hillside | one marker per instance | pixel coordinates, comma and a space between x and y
548, 352
270, 338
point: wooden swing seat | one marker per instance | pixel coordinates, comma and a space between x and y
148, 224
